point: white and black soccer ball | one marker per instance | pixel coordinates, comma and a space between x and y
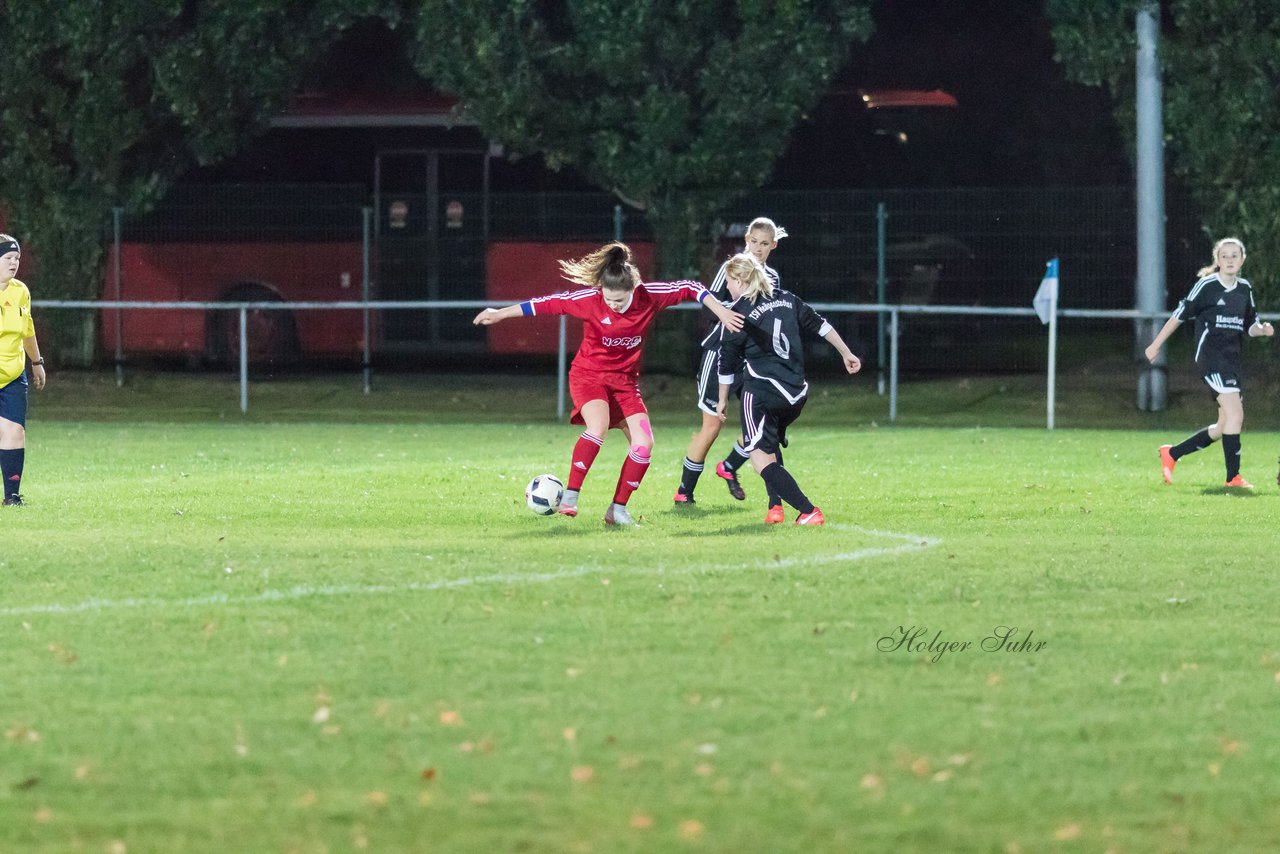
543, 494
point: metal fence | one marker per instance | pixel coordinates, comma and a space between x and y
902, 322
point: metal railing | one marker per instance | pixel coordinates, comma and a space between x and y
892, 315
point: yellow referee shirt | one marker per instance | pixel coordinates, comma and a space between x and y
15, 327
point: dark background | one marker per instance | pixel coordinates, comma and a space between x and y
1018, 123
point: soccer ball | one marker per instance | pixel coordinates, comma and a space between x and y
543, 494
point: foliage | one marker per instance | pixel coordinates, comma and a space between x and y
1221, 116
106, 104
679, 108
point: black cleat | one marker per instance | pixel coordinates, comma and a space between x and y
14, 500
731, 479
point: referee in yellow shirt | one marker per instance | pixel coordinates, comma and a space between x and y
17, 347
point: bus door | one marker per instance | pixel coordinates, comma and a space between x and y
430, 232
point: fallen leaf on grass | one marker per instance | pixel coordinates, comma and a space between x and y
640, 821
704, 769
1068, 832
570, 734
321, 715
428, 774
21, 733
1230, 745
377, 799
451, 718
871, 781
582, 773
691, 829
44, 815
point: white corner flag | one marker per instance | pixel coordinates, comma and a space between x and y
1046, 301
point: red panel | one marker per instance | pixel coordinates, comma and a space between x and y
205, 272
519, 271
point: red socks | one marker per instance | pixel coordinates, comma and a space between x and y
584, 454
633, 469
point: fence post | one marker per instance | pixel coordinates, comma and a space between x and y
893, 364
561, 359
366, 217
116, 215
244, 359
882, 215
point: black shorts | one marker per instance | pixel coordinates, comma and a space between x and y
13, 400
709, 382
765, 419
1222, 382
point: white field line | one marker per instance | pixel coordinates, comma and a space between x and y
906, 543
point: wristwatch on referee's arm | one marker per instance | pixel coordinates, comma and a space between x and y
39, 363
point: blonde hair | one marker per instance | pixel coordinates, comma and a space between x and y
763, 223
609, 267
746, 269
1213, 266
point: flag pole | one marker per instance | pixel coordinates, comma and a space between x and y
1046, 306
1053, 354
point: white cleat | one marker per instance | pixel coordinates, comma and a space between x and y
617, 515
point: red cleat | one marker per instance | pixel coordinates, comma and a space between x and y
1238, 482
731, 480
683, 500
1167, 462
775, 515
814, 517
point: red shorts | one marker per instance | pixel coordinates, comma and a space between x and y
620, 390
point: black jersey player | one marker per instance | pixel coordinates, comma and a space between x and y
1221, 305
761, 239
768, 354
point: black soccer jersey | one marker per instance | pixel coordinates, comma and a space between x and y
720, 290
768, 351
1222, 319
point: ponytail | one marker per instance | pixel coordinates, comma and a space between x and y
608, 267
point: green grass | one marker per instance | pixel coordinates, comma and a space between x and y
278, 633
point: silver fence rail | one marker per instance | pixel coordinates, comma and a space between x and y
891, 315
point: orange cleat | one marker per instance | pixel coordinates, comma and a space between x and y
1239, 483
1167, 462
775, 515
814, 517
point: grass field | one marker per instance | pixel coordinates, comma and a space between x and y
284, 632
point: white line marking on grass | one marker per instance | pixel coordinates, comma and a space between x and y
909, 543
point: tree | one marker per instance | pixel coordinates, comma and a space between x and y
106, 104
677, 107
1222, 119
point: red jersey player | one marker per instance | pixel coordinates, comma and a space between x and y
616, 309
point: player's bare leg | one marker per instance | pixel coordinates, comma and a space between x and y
695, 457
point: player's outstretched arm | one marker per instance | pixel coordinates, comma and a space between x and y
490, 316
1153, 349
731, 319
852, 363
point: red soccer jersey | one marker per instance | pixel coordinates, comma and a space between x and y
611, 339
